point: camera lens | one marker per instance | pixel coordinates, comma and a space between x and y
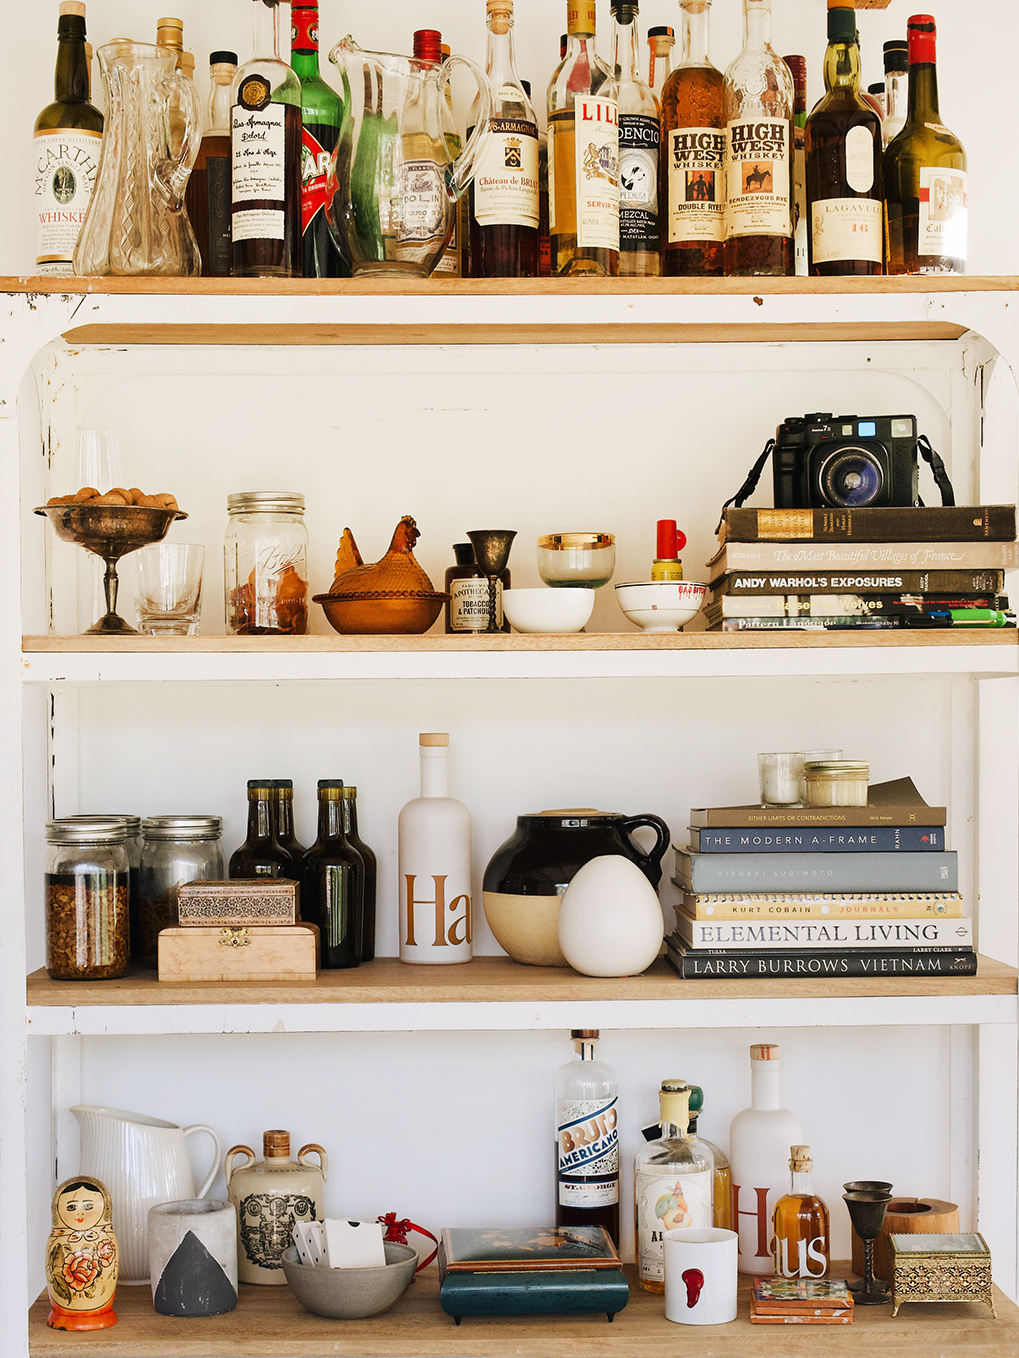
850, 477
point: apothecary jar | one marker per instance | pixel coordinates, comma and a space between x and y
176, 849
87, 900
266, 563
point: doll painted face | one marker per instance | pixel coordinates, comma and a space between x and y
80, 1208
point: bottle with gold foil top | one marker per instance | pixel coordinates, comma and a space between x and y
270, 1197
722, 1210
671, 541
673, 1185
801, 1224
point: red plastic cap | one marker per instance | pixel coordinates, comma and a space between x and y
670, 540
922, 32
428, 44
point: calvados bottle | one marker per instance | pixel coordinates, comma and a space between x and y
587, 1139
660, 40
435, 865
270, 1197
640, 242
321, 110
926, 219
504, 194
467, 587
671, 541
843, 149
758, 112
349, 802
896, 59
801, 217
65, 149
693, 154
261, 854
673, 1185
583, 154
721, 1211
801, 1224
759, 1141
332, 883
207, 197
265, 129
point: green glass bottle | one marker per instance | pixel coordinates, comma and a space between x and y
370, 873
332, 882
321, 110
261, 854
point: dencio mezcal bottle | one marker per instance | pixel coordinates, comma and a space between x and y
673, 1185
758, 117
587, 1139
639, 143
693, 153
801, 1224
504, 207
332, 883
261, 854
321, 109
207, 196
583, 154
265, 128
660, 40
896, 58
349, 796
843, 149
925, 173
65, 149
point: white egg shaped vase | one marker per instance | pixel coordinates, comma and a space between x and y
610, 919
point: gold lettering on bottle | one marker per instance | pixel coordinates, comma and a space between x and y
455, 904
760, 1212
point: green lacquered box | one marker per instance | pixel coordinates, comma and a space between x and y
940, 1268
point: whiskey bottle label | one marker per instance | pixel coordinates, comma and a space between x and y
696, 169
846, 229
758, 178
666, 1201
639, 143
506, 180
860, 158
66, 163
587, 1152
468, 605
422, 193
596, 171
258, 146
943, 212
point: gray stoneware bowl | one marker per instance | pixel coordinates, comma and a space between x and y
351, 1293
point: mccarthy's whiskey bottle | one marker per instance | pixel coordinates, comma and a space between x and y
587, 1139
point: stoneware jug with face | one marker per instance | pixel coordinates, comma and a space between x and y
81, 1257
270, 1197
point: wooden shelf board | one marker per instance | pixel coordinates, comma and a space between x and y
496, 980
269, 1322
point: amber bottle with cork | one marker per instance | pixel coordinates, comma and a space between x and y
270, 1197
802, 1239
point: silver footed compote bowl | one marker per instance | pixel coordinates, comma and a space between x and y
110, 532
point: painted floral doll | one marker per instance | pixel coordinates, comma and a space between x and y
81, 1257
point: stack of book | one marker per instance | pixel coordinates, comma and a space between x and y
774, 892
801, 1301
817, 569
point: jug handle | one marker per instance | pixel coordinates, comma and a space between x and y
662, 832
207, 1181
461, 171
323, 1159
177, 169
229, 1167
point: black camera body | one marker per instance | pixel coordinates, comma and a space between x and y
825, 461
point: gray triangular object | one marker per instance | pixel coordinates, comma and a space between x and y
193, 1283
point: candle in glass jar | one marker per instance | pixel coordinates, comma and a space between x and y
781, 778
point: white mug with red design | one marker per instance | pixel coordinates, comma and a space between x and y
700, 1275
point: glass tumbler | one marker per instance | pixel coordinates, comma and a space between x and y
168, 596
577, 559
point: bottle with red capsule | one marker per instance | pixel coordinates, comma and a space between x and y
671, 541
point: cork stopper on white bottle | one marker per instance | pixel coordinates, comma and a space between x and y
433, 738
72, 7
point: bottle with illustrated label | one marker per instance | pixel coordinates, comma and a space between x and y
926, 218
693, 154
583, 154
504, 195
673, 1185
65, 149
435, 865
332, 883
265, 130
207, 196
758, 116
896, 56
587, 1139
759, 1141
639, 148
798, 67
801, 1224
321, 110
843, 149
467, 587
660, 40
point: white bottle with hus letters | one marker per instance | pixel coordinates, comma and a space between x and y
435, 865
759, 1141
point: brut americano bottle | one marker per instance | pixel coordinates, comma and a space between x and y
587, 1139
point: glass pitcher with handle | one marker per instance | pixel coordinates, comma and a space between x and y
136, 224
394, 180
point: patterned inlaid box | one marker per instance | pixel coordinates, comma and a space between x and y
940, 1268
237, 904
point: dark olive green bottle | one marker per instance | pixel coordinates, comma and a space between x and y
370, 873
261, 854
332, 882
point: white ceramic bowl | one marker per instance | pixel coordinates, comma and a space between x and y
661, 605
564, 609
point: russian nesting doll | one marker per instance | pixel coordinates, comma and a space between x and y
81, 1257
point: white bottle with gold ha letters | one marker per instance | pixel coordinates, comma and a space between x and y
435, 866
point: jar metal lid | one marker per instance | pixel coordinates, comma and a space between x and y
265, 502
576, 542
94, 831
183, 827
133, 823
835, 766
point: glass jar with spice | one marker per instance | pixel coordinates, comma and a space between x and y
177, 849
87, 895
133, 845
266, 564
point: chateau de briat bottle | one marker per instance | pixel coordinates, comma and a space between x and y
587, 1139
801, 1224
639, 145
673, 1185
207, 196
321, 109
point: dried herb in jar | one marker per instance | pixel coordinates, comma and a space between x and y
87, 925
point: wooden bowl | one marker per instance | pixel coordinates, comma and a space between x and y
381, 614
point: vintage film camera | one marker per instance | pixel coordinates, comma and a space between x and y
846, 462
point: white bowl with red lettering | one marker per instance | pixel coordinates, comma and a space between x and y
661, 605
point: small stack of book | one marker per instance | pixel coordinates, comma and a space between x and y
801, 1301
774, 892
820, 569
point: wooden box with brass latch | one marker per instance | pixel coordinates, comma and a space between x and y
275, 952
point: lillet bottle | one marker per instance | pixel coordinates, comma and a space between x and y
673, 1185
587, 1139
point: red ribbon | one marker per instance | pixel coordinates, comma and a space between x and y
396, 1233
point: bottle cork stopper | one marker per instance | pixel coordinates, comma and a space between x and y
841, 4
433, 738
584, 1034
187, 64
72, 7
799, 1158
764, 1051
500, 12
276, 1145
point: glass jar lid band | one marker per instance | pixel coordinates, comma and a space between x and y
182, 827
265, 502
86, 832
572, 542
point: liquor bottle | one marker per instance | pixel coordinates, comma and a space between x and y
207, 197
349, 799
896, 57
332, 883
721, 1214
544, 243
801, 1224
66, 149
504, 208
435, 865
660, 40
876, 93
759, 1139
261, 854
925, 174
583, 154
670, 542
673, 1185
283, 818
843, 146
801, 247
693, 153
265, 129
467, 586
429, 48
640, 242
758, 112
587, 1139
170, 33
321, 110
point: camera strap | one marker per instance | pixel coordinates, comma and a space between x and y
750, 484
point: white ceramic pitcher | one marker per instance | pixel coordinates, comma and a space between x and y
142, 1161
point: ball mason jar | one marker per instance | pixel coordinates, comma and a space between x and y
87, 885
176, 849
133, 845
266, 564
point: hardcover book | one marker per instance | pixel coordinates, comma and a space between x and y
818, 934
835, 872
739, 583
933, 523
828, 1293
826, 622
737, 905
863, 556
819, 839
893, 803
719, 607
793, 1318
736, 965
526, 1248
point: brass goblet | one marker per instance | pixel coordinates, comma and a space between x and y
491, 552
867, 1213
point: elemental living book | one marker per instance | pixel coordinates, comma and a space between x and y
819, 934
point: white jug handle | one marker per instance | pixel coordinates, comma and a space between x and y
207, 1181
228, 1165
323, 1159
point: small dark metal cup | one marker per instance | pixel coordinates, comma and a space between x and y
867, 1213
